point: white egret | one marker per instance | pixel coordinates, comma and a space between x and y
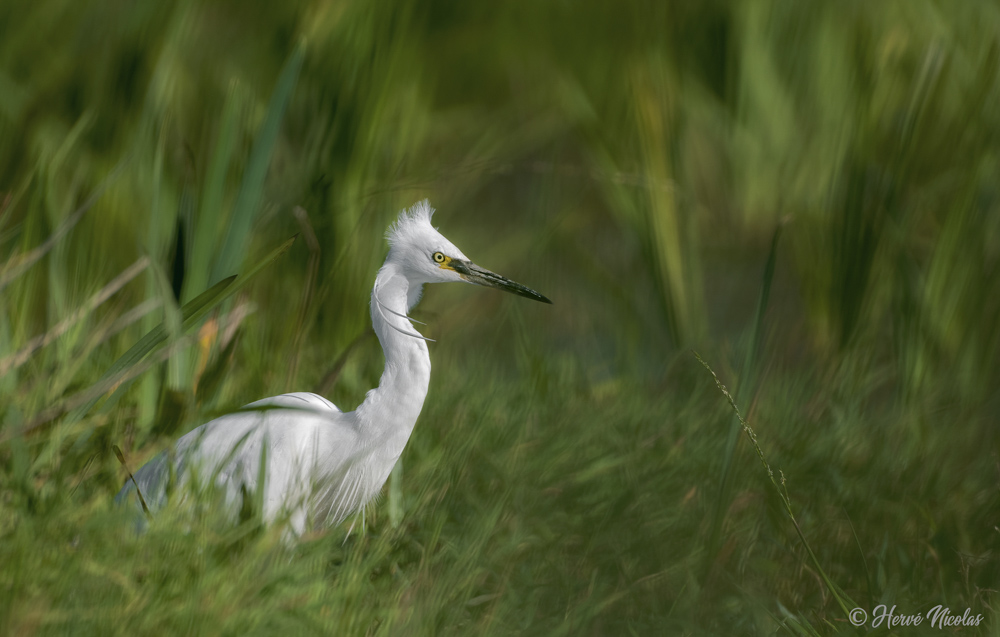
319, 464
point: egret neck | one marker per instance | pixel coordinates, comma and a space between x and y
388, 413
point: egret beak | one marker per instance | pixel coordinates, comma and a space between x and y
481, 276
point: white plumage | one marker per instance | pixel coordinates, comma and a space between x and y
321, 465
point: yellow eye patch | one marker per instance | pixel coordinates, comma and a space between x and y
442, 260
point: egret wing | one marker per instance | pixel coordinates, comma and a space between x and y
299, 436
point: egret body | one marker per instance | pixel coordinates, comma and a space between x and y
318, 463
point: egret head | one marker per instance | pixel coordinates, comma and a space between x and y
425, 256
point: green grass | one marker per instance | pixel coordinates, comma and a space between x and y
575, 470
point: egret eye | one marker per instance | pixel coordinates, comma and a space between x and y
438, 257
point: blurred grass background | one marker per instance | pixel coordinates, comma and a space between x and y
575, 470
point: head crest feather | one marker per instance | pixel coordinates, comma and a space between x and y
417, 214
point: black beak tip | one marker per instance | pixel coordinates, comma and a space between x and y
479, 276
528, 293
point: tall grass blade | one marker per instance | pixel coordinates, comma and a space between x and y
655, 121
24, 354
191, 319
748, 375
138, 491
211, 209
156, 336
191, 313
843, 600
18, 265
248, 200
